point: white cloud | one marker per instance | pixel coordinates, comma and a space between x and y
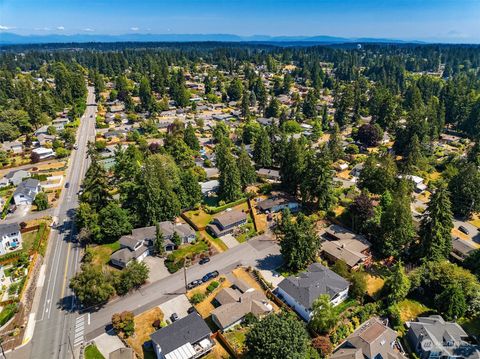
87, 29
134, 28
60, 28
3, 27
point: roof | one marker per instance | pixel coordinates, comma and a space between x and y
308, 286
462, 247
227, 218
268, 172
18, 173
125, 255
182, 229
129, 241
189, 329
269, 203
27, 188
345, 245
6, 229
340, 252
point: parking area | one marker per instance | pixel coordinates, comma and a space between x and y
157, 268
179, 305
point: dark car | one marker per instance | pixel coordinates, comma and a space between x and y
174, 317
67, 184
463, 230
209, 276
191, 310
204, 260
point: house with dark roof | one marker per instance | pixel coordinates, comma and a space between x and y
16, 177
461, 249
300, 291
277, 203
10, 237
26, 191
342, 244
226, 222
186, 338
434, 338
132, 247
236, 302
184, 231
372, 340
273, 175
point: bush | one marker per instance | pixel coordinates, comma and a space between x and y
212, 286
8, 312
214, 210
172, 265
323, 345
197, 298
123, 323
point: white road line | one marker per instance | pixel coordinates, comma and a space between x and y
45, 309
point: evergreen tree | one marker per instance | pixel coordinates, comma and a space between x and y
114, 222
192, 191
397, 285
451, 302
273, 109
414, 155
436, 227
229, 179
292, 165
190, 138
333, 145
262, 153
379, 174
246, 169
145, 94
159, 244
96, 191
317, 183
245, 105
235, 90
464, 192
309, 106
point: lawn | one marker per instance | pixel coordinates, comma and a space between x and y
249, 232
101, 253
216, 242
199, 217
410, 309
143, 329
28, 239
342, 307
92, 352
189, 249
205, 307
218, 352
374, 284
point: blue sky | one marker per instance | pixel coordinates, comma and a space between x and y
440, 20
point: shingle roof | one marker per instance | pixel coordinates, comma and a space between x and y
308, 286
7, 228
189, 329
228, 218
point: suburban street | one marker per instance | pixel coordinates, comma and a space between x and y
54, 335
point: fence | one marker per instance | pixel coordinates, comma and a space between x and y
221, 338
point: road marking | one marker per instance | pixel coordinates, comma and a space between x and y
88, 316
66, 269
79, 330
41, 277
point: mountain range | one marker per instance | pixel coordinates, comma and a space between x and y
8, 38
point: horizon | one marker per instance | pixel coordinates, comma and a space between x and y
414, 20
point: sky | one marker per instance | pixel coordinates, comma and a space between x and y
430, 20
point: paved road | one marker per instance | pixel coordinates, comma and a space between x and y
54, 335
262, 254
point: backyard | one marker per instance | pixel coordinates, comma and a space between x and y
143, 328
101, 253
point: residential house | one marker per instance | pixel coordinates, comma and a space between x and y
26, 191
372, 340
15, 147
44, 139
461, 249
419, 186
184, 231
236, 302
41, 131
10, 237
278, 202
268, 121
342, 244
356, 170
434, 338
186, 338
16, 177
226, 222
273, 175
300, 291
60, 123
114, 134
43, 153
132, 247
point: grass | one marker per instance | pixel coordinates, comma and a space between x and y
342, 307
28, 240
410, 309
92, 352
374, 284
249, 229
471, 326
236, 338
216, 242
101, 253
143, 329
218, 352
189, 249
199, 217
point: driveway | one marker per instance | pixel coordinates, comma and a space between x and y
473, 235
108, 342
229, 241
157, 268
20, 213
179, 305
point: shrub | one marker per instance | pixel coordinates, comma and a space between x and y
197, 298
323, 345
123, 323
212, 286
8, 312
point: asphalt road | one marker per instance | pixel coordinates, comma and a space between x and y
55, 316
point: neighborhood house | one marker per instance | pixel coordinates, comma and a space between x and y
10, 236
277, 203
27, 191
226, 222
132, 247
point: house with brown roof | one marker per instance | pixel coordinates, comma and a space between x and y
236, 302
372, 340
226, 222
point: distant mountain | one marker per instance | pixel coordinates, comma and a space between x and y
7, 38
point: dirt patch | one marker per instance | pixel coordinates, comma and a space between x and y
143, 329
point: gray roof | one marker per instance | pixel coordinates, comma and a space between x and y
461, 247
6, 229
17, 173
125, 255
228, 218
308, 286
129, 241
189, 329
268, 172
27, 187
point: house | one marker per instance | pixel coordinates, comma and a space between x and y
4, 182
16, 177
115, 134
433, 337
268, 121
26, 191
43, 153
372, 340
418, 184
13, 146
356, 170
226, 222
10, 237
60, 123
273, 175
44, 139
132, 247
209, 187
236, 302
278, 202
299, 292
184, 231
342, 244
186, 338
461, 249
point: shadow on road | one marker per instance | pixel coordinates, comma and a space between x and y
270, 262
67, 304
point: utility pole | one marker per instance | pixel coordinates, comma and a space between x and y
185, 274
71, 347
1, 347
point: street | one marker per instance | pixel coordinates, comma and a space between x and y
54, 330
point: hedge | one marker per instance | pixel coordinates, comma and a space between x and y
214, 210
7, 313
212, 286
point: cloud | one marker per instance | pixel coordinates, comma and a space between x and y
134, 28
61, 28
87, 29
3, 27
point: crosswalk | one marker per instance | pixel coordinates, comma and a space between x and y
79, 330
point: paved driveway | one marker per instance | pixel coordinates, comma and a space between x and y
157, 268
179, 305
229, 241
108, 342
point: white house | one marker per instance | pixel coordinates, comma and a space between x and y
299, 292
44, 153
10, 237
27, 191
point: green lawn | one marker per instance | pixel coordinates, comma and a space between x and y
101, 254
199, 217
189, 249
217, 242
28, 240
248, 234
410, 309
345, 305
92, 352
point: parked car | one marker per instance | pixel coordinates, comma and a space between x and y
191, 310
204, 260
463, 230
75, 147
174, 317
209, 276
194, 284
67, 184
